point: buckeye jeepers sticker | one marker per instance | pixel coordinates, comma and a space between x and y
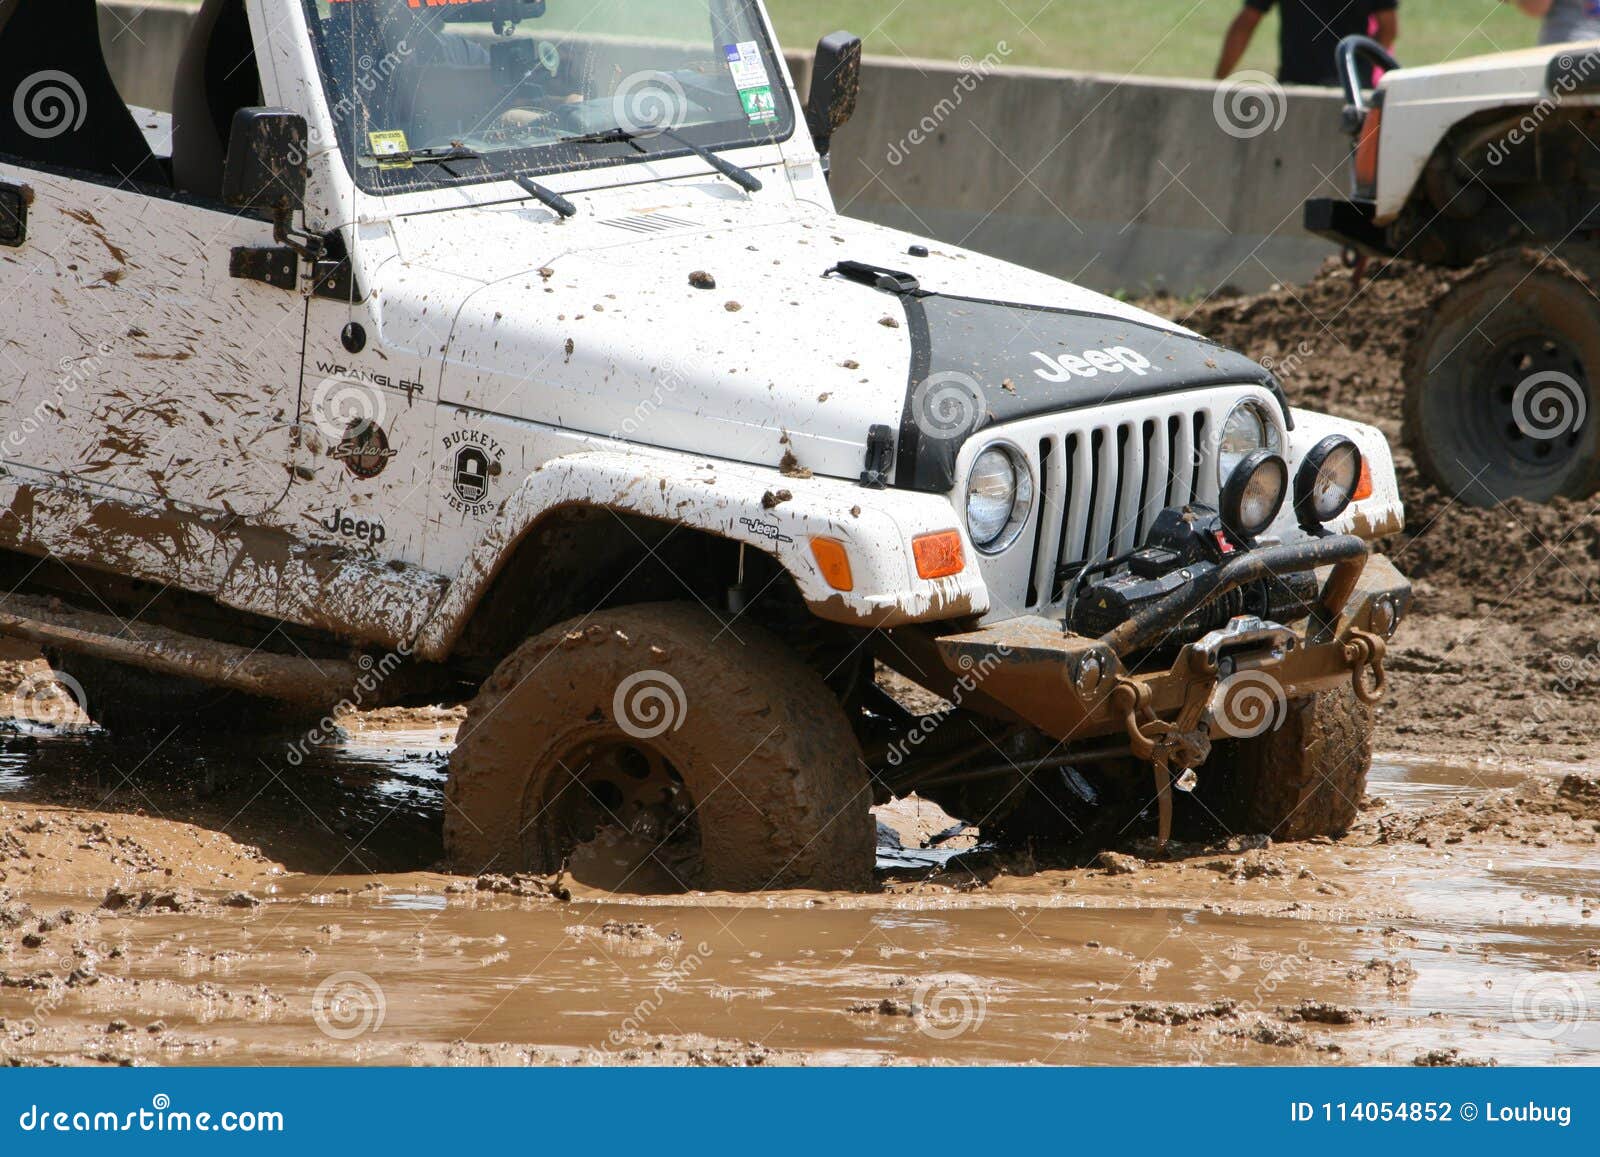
475, 462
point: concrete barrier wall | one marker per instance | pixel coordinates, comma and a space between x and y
143, 43
1118, 184
1115, 183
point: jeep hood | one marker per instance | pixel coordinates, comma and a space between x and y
714, 328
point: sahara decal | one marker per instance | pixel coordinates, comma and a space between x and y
364, 449
475, 461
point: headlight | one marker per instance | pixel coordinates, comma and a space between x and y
999, 497
1327, 481
1248, 428
1254, 493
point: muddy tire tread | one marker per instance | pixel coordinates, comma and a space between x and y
810, 824
1304, 780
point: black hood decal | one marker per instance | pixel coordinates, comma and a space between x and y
978, 363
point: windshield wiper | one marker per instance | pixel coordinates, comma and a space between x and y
739, 175
443, 155
548, 197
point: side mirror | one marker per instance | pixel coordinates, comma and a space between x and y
267, 163
835, 87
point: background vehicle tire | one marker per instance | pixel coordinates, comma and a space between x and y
133, 701
1303, 780
656, 720
1503, 384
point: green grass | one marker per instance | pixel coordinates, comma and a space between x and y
1150, 37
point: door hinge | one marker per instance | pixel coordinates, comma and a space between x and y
279, 268
13, 215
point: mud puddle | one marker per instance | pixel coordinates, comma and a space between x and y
210, 904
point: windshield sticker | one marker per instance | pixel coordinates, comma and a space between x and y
391, 143
749, 70
549, 57
759, 105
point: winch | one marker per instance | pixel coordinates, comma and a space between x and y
1184, 544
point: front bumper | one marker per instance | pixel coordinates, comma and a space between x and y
1349, 224
1076, 688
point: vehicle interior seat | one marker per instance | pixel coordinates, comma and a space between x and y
217, 76
52, 61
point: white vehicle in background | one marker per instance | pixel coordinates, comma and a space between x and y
1488, 165
515, 351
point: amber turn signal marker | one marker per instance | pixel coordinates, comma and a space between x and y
834, 562
1363, 487
939, 555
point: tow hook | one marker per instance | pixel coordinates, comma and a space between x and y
1364, 652
1183, 744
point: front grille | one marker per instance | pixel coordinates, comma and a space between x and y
1103, 485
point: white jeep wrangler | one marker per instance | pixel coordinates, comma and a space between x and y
514, 348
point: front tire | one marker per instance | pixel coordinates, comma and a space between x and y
721, 758
1304, 780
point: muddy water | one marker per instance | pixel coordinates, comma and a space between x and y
359, 952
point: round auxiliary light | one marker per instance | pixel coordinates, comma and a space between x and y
999, 498
1327, 481
1254, 493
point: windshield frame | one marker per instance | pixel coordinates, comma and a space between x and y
551, 158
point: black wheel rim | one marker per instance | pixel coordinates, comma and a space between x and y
628, 788
1529, 405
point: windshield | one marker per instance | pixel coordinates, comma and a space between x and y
427, 93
